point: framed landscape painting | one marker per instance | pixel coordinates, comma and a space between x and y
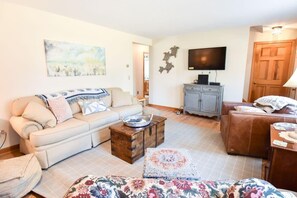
70, 59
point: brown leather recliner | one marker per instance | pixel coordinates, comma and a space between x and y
248, 133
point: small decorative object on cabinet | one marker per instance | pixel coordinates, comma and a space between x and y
283, 162
203, 100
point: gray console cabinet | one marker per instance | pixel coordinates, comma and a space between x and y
203, 100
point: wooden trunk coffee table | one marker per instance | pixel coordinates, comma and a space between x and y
129, 143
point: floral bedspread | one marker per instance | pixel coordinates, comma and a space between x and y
122, 187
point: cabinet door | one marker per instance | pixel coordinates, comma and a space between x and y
192, 100
209, 102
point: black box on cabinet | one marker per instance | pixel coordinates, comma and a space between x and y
203, 79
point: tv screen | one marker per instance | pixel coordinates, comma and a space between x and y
207, 58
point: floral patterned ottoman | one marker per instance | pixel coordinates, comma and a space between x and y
169, 163
122, 187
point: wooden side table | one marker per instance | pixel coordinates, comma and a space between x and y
283, 163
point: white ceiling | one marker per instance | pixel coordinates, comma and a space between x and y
160, 18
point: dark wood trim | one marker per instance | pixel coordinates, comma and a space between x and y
174, 109
9, 149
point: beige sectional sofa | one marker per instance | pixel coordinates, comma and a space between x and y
82, 132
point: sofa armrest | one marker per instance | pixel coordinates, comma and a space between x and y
227, 106
248, 133
24, 126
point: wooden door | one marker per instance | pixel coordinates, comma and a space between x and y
273, 64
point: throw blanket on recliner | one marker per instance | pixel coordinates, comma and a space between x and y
75, 94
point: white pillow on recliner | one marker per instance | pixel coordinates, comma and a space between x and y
276, 102
248, 109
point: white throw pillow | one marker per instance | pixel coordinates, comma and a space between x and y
248, 109
267, 109
60, 108
107, 99
120, 98
40, 114
89, 106
276, 102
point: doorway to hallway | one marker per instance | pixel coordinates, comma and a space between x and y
141, 71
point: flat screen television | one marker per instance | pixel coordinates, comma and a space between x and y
207, 58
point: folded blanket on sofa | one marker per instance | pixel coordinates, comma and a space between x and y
74, 95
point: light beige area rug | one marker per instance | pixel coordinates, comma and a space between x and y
205, 145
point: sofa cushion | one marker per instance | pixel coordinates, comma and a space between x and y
75, 108
117, 186
107, 99
19, 105
61, 109
36, 112
62, 131
120, 98
125, 111
99, 119
253, 187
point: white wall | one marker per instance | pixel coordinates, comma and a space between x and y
138, 51
22, 63
166, 89
287, 34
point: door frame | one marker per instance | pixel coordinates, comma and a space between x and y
144, 53
291, 65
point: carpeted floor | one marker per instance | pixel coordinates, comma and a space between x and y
204, 144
